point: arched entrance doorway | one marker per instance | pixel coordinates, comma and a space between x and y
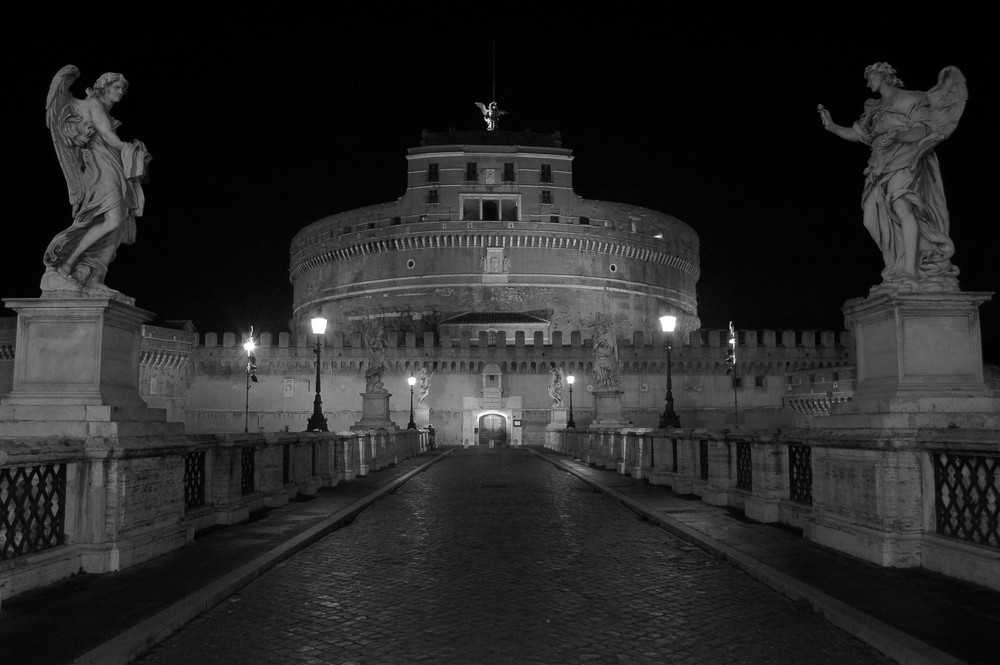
492, 429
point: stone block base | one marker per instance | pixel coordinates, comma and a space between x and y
887, 549
965, 561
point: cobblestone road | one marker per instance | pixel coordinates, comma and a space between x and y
496, 556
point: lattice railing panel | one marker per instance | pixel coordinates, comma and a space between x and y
744, 467
194, 480
966, 491
286, 463
247, 471
32, 509
800, 476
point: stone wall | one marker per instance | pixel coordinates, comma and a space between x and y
203, 382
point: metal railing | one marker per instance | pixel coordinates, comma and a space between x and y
967, 497
32, 509
800, 474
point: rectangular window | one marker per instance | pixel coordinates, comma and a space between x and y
585, 220
471, 172
432, 173
737, 382
508, 172
546, 196
554, 219
508, 210
396, 221
491, 210
758, 382
432, 196
546, 173
470, 210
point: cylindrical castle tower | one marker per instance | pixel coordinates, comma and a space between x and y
489, 225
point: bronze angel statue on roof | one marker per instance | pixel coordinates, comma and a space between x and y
491, 115
903, 200
103, 175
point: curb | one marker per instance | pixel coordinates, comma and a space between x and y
892, 642
134, 642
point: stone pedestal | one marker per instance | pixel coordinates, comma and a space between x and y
916, 345
558, 418
917, 354
421, 416
374, 412
76, 371
608, 410
76, 351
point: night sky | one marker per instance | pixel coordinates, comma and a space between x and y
260, 123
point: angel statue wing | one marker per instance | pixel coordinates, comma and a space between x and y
947, 100
69, 134
483, 108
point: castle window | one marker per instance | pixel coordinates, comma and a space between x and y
554, 219
508, 172
546, 196
758, 382
585, 220
396, 221
432, 172
491, 208
737, 382
432, 196
344, 230
471, 172
546, 173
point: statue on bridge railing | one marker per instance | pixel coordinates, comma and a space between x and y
555, 386
605, 355
103, 175
425, 387
372, 335
903, 200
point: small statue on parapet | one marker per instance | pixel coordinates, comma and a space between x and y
103, 175
903, 200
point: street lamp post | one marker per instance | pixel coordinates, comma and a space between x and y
569, 423
251, 376
412, 380
317, 423
669, 418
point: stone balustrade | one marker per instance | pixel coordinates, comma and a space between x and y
902, 499
100, 506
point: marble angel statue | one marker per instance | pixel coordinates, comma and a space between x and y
103, 174
903, 201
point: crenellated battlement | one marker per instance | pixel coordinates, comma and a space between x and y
710, 339
765, 352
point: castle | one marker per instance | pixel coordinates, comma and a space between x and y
488, 273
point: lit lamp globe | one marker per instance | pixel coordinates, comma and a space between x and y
669, 417
569, 421
412, 380
317, 423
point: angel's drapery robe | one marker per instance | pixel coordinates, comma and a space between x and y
110, 179
907, 171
